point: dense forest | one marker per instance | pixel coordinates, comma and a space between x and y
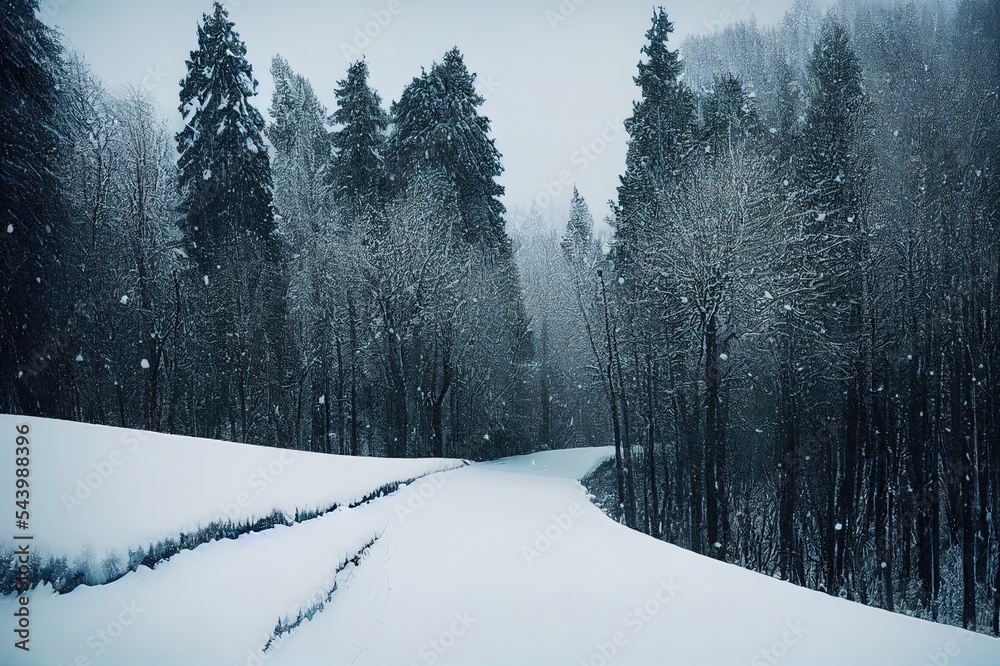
789, 336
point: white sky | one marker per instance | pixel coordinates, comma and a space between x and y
552, 86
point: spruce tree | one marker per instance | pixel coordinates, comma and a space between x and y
832, 168
437, 126
30, 296
225, 173
578, 243
301, 166
228, 225
358, 179
661, 132
729, 113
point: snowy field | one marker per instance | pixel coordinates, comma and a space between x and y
495, 563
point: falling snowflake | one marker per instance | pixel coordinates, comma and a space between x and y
124, 300
145, 364
10, 228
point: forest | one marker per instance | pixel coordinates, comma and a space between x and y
789, 335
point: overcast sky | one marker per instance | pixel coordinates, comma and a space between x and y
557, 74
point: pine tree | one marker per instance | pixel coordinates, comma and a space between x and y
832, 167
661, 132
729, 114
30, 228
578, 243
302, 161
225, 174
358, 179
228, 225
437, 126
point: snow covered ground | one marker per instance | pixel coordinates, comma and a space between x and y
496, 563
109, 488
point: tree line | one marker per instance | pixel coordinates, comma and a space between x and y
792, 334
339, 282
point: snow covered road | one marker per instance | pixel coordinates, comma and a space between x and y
495, 563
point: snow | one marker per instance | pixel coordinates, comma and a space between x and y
205, 279
496, 563
144, 363
10, 228
110, 488
124, 300
207, 174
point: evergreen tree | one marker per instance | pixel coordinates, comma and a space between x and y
578, 242
661, 132
358, 179
228, 225
437, 126
729, 113
302, 164
30, 297
832, 168
225, 174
